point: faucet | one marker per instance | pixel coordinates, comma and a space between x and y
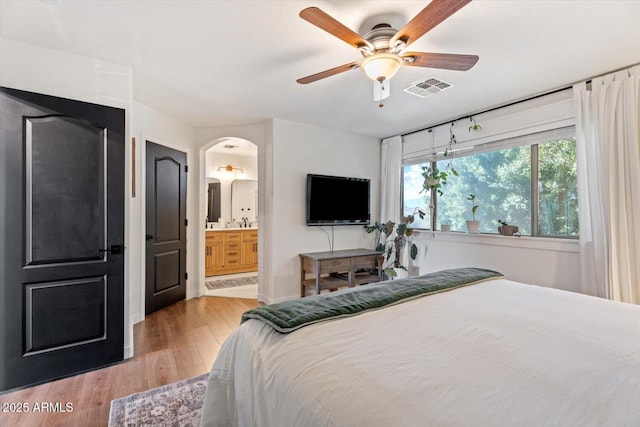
244, 220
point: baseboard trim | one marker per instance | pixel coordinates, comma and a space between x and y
135, 318
128, 352
267, 300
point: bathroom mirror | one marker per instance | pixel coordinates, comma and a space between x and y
213, 199
244, 199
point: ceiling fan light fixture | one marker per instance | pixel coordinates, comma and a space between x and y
381, 66
383, 45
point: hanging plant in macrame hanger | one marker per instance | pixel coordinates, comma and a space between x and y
448, 151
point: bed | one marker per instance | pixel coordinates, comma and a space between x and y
488, 353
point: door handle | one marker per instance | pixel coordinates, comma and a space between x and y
114, 250
148, 236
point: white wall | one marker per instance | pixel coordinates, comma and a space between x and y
150, 125
299, 149
553, 263
249, 164
52, 72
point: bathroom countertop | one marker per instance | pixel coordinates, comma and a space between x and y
231, 228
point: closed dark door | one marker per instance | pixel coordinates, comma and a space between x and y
61, 237
166, 213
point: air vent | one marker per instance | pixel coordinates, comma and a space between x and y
230, 146
428, 87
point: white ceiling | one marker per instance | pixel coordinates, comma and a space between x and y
216, 63
235, 146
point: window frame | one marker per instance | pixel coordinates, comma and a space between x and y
533, 140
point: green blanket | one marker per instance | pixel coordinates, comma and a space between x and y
289, 316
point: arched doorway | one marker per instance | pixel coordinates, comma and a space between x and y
230, 181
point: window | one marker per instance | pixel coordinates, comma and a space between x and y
557, 189
414, 196
501, 182
500, 175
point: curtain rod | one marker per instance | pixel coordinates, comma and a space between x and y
540, 95
468, 116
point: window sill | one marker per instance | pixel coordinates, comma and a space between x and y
528, 242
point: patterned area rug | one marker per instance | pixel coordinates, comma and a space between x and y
230, 283
177, 404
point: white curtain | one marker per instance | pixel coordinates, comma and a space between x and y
608, 153
390, 175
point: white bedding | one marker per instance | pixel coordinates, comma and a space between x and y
498, 353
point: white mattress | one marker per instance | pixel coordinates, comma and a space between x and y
498, 353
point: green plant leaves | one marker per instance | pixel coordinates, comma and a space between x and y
474, 126
402, 229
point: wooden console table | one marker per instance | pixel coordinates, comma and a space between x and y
337, 269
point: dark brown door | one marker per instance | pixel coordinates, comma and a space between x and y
166, 213
61, 237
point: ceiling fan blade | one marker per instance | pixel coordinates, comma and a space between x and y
448, 61
321, 20
428, 18
328, 73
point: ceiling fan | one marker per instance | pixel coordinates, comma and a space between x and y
384, 47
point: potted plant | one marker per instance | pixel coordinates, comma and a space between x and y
396, 237
506, 229
434, 178
473, 226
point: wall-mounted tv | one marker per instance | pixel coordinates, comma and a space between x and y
337, 200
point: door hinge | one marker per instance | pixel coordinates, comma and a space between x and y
186, 276
186, 168
186, 222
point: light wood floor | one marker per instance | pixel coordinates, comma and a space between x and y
176, 343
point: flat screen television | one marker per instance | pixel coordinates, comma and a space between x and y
337, 200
